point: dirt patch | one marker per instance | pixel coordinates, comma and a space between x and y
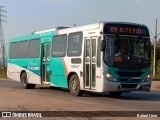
155, 85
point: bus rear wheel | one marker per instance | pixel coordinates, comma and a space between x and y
74, 86
115, 94
25, 83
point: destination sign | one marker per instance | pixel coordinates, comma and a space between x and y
123, 29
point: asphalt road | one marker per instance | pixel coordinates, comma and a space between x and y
14, 97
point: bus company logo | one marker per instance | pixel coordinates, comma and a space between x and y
6, 114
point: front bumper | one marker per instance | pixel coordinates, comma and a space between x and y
126, 87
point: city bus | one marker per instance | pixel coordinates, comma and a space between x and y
113, 57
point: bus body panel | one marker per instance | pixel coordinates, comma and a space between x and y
72, 68
32, 77
58, 73
78, 68
32, 66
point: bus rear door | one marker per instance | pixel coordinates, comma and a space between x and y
46, 63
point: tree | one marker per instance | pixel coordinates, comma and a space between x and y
158, 60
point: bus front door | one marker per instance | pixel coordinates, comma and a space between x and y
46, 63
90, 63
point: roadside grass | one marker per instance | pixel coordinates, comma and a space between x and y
3, 72
156, 77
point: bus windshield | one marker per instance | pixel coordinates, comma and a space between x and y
127, 52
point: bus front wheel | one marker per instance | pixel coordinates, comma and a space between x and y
74, 86
25, 83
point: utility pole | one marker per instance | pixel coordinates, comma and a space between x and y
2, 40
155, 46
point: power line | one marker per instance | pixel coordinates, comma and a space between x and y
2, 40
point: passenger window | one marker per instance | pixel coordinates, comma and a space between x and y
75, 44
59, 44
34, 48
23, 49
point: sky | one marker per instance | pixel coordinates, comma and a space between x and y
27, 16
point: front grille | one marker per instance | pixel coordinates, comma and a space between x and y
129, 74
129, 85
129, 80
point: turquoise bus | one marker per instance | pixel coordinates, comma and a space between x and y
100, 57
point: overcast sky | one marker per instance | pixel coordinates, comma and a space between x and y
26, 16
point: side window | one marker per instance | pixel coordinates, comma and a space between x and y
23, 49
75, 44
59, 44
34, 48
14, 50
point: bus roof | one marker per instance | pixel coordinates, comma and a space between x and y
34, 36
125, 23
64, 30
49, 30
38, 34
93, 26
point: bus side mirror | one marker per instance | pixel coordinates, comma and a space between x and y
103, 45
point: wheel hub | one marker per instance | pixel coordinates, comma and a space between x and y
74, 85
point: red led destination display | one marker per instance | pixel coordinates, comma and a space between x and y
123, 29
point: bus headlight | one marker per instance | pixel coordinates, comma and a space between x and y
147, 78
110, 77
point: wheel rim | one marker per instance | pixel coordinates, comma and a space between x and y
74, 85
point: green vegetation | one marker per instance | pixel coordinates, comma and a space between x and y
157, 77
3, 72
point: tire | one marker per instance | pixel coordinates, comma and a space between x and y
115, 94
24, 82
74, 86
51, 87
